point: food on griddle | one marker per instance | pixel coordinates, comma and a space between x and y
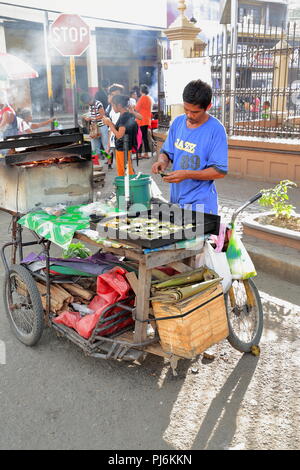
142, 227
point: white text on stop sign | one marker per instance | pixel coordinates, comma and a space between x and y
71, 34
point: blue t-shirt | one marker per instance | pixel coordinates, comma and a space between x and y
197, 149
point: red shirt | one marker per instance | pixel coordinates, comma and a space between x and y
144, 107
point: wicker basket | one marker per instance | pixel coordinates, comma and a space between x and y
202, 323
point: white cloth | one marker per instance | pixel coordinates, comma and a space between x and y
23, 126
114, 119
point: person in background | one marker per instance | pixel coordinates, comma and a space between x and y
133, 98
25, 124
101, 94
95, 115
126, 124
138, 91
266, 110
114, 89
8, 117
198, 150
254, 107
144, 107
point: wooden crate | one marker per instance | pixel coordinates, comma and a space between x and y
204, 325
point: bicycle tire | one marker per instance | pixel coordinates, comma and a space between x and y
240, 312
30, 329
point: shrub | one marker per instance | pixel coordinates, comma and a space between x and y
277, 198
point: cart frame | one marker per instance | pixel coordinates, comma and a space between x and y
127, 344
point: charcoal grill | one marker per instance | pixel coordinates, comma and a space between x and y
46, 168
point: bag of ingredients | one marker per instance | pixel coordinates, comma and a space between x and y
94, 130
216, 261
240, 263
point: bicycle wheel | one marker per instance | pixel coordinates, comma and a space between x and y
23, 305
245, 315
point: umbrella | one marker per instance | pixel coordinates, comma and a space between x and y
13, 68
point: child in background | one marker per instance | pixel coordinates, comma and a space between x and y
266, 110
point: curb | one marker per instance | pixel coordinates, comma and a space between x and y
285, 266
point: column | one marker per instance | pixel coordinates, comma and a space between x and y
92, 65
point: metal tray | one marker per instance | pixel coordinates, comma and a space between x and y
177, 216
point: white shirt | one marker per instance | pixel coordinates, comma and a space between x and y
23, 126
114, 119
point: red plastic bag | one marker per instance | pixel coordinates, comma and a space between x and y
112, 287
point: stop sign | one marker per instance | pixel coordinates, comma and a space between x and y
70, 35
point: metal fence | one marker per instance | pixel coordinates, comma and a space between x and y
264, 98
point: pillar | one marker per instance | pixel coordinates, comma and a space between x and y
280, 80
92, 65
182, 34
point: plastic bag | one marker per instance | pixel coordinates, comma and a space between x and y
111, 287
240, 263
216, 261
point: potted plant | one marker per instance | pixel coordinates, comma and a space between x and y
281, 224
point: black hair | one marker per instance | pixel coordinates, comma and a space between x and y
86, 98
105, 83
198, 93
116, 87
144, 89
121, 100
25, 112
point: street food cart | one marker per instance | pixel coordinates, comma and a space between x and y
201, 320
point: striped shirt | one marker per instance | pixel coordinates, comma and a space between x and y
94, 111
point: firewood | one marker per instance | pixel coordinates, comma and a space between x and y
60, 299
75, 289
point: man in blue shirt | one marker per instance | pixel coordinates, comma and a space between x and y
197, 147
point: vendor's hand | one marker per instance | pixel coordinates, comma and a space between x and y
176, 176
158, 166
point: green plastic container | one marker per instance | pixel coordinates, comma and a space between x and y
139, 190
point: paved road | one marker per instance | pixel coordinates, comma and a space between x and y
53, 397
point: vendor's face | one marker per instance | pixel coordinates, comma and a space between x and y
194, 113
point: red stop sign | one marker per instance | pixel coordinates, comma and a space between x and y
70, 35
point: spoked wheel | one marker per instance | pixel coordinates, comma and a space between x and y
23, 305
245, 315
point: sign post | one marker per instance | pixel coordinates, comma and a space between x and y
71, 36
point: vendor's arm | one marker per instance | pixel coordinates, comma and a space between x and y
207, 174
161, 164
42, 124
166, 154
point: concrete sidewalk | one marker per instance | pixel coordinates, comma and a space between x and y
233, 192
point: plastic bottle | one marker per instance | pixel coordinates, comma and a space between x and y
105, 154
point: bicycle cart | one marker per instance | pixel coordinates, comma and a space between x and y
28, 317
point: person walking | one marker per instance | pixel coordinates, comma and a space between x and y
144, 107
114, 89
126, 125
198, 150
